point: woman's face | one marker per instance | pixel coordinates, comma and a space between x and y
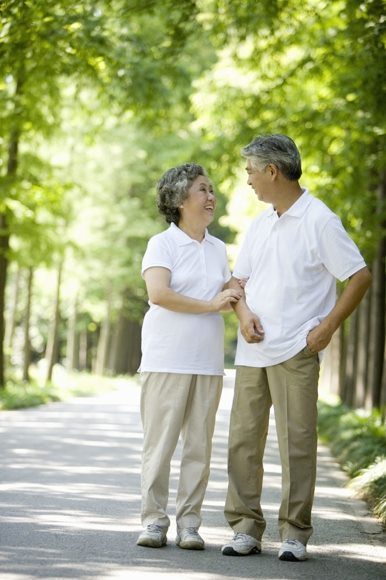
200, 204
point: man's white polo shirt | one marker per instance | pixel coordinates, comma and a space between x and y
292, 264
177, 342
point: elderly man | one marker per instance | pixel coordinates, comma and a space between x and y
291, 257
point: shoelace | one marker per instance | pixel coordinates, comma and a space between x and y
240, 535
192, 530
154, 528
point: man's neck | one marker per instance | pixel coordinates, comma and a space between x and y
286, 199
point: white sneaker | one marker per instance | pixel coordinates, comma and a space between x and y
189, 539
292, 551
241, 545
153, 537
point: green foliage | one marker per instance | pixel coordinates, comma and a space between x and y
370, 485
322, 80
19, 395
231, 326
102, 97
357, 440
359, 443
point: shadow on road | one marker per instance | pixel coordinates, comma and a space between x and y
70, 481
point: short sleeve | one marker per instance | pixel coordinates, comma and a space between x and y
227, 272
338, 252
243, 268
158, 254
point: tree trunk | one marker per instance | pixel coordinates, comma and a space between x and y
83, 351
134, 357
363, 352
377, 337
4, 245
72, 350
104, 341
11, 320
13, 148
342, 360
27, 320
12, 163
52, 342
125, 353
117, 359
351, 359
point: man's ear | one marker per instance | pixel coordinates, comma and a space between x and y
273, 171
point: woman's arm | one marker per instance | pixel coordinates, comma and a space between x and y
158, 288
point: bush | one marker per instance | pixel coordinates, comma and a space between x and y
358, 441
19, 395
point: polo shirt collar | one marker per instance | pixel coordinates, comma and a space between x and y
298, 208
182, 239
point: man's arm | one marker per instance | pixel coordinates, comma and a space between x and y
320, 336
250, 325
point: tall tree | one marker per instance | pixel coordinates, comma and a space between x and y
319, 74
126, 53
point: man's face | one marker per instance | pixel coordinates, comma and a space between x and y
260, 181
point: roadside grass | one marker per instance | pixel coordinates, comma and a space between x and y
65, 385
358, 441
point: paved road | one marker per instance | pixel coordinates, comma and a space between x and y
69, 504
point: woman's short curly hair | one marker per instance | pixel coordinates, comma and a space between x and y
173, 188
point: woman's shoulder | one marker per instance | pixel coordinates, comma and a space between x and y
163, 236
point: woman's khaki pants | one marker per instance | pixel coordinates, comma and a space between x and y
174, 404
291, 387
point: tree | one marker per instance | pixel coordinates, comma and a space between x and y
320, 79
115, 47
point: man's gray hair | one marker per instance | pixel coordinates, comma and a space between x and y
279, 150
173, 188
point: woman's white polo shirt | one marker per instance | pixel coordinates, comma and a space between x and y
177, 342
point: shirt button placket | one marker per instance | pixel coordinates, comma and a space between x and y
204, 273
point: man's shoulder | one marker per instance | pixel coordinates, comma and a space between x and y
264, 215
317, 211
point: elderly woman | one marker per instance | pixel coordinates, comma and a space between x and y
186, 272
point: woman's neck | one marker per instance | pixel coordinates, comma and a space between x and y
194, 232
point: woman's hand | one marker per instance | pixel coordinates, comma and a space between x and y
225, 299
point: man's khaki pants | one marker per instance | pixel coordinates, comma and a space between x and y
291, 387
174, 404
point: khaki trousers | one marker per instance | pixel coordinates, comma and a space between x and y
291, 387
174, 404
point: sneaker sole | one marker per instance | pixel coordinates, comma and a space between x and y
290, 557
151, 543
229, 551
190, 545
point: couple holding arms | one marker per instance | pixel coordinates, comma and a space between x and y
283, 290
